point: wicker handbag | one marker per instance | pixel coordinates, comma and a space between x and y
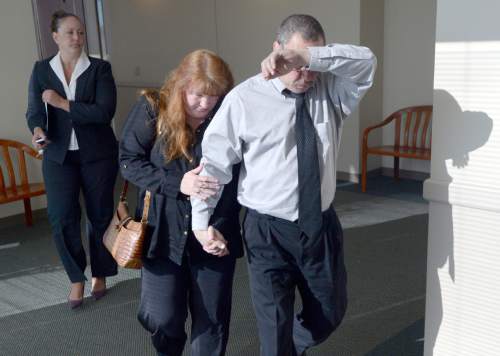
124, 237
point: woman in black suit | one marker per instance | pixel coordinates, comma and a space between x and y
160, 151
72, 99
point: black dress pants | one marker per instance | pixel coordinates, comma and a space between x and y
63, 183
169, 290
281, 259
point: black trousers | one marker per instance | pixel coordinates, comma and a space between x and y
281, 259
169, 290
63, 183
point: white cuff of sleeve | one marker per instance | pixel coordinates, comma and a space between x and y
317, 63
200, 221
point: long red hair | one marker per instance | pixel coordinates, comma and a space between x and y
200, 69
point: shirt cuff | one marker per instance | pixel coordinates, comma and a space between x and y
200, 221
317, 63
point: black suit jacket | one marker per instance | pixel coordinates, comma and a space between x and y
90, 113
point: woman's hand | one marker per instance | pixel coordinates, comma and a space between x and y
40, 136
51, 97
212, 241
201, 187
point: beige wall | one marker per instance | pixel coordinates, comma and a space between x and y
246, 29
19, 51
148, 38
409, 34
370, 109
244, 44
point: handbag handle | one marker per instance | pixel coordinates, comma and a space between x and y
147, 201
145, 209
123, 194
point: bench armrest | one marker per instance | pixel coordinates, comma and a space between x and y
371, 128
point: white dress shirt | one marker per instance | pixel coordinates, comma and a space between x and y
81, 65
255, 126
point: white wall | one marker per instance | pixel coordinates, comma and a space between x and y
463, 262
19, 51
408, 63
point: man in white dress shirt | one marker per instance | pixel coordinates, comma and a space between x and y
284, 126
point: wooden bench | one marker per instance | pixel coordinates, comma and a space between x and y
412, 138
25, 190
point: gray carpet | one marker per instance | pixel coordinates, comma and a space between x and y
385, 240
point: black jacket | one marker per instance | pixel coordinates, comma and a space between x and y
169, 224
90, 113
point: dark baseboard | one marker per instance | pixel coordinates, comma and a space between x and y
18, 219
349, 177
383, 171
403, 173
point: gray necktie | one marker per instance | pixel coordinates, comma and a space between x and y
310, 217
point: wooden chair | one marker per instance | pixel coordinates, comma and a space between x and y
25, 190
412, 138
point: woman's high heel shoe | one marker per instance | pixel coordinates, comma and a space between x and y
98, 294
101, 292
75, 303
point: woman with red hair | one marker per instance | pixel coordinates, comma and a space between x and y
160, 151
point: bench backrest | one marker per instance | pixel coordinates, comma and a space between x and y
413, 127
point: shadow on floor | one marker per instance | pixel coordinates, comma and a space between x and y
409, 342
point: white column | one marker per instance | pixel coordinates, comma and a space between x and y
463, 263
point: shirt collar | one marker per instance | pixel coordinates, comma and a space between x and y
81, 65
278, 84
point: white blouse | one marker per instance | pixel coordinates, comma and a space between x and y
70, 90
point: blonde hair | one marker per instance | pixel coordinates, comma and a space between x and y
202, 70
